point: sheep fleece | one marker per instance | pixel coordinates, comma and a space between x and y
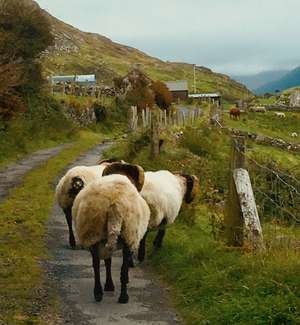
87, 174
164, 193
110, 207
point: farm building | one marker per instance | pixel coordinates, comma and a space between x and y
206, 97
84, 80
179, 89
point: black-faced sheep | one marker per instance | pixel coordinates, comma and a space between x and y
110, 214
72, 183
164, 192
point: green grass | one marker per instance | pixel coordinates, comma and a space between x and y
211, 283
267, 124
22, 229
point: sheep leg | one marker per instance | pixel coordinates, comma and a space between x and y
157, 243
68, 214
142, 248
109, 285
98, 292
124, 298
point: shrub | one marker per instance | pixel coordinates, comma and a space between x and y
163, 97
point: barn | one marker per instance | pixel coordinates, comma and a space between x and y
179, 89
207, 97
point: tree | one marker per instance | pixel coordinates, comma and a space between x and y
25, 33
163, 96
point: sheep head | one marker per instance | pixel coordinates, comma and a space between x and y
135, 173
192, 187
110, 161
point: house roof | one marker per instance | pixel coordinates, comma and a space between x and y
74, 78
63, 78
205, 95
85, 78
178, 85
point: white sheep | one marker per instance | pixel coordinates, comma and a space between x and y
110, 214
72, 183
294, 135
280, 114
164, 192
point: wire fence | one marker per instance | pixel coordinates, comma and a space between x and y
277, 194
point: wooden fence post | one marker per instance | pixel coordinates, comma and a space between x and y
241, 217
154, 135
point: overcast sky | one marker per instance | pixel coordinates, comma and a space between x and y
230, 36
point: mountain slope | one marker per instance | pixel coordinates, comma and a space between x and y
77, 52
260, 79
291, 79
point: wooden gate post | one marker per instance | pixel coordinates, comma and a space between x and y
241, 217
233, 220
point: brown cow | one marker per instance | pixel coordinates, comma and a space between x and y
235, 113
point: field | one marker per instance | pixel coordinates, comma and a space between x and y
268, 124
210, 282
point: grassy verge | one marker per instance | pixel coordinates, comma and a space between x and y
23, 297
211, 283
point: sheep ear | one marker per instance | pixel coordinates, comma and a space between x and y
192, 187
134, 172
110, 161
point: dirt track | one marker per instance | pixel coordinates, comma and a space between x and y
12, 175
71, 272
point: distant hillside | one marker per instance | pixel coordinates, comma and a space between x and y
290, 80
77, 52
256, 81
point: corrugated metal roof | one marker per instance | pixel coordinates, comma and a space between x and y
63, 78
207, 95
86, 78
178, 85
90, 78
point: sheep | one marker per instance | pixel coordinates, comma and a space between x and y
258, 109
110, 214
72, 183
164, 192
294, 135
280, 114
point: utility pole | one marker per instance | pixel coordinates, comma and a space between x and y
194, 78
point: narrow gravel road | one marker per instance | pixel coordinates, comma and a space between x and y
71, 272
12, 176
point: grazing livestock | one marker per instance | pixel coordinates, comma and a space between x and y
164, 192
235, 113
72, 183
110, 214
280, 114
294, 135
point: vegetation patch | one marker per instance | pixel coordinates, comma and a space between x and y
211, 283
24, 297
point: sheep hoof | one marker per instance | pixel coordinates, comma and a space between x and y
131, 263
124, 299
109, 287
72, 243
98, 296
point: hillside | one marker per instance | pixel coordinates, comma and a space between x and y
290, 80
260, 79
77, 52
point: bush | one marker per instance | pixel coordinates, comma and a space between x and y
163, 97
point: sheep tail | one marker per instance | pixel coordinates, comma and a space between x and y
77, 185
114, 227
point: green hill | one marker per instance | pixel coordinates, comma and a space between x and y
77, 52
